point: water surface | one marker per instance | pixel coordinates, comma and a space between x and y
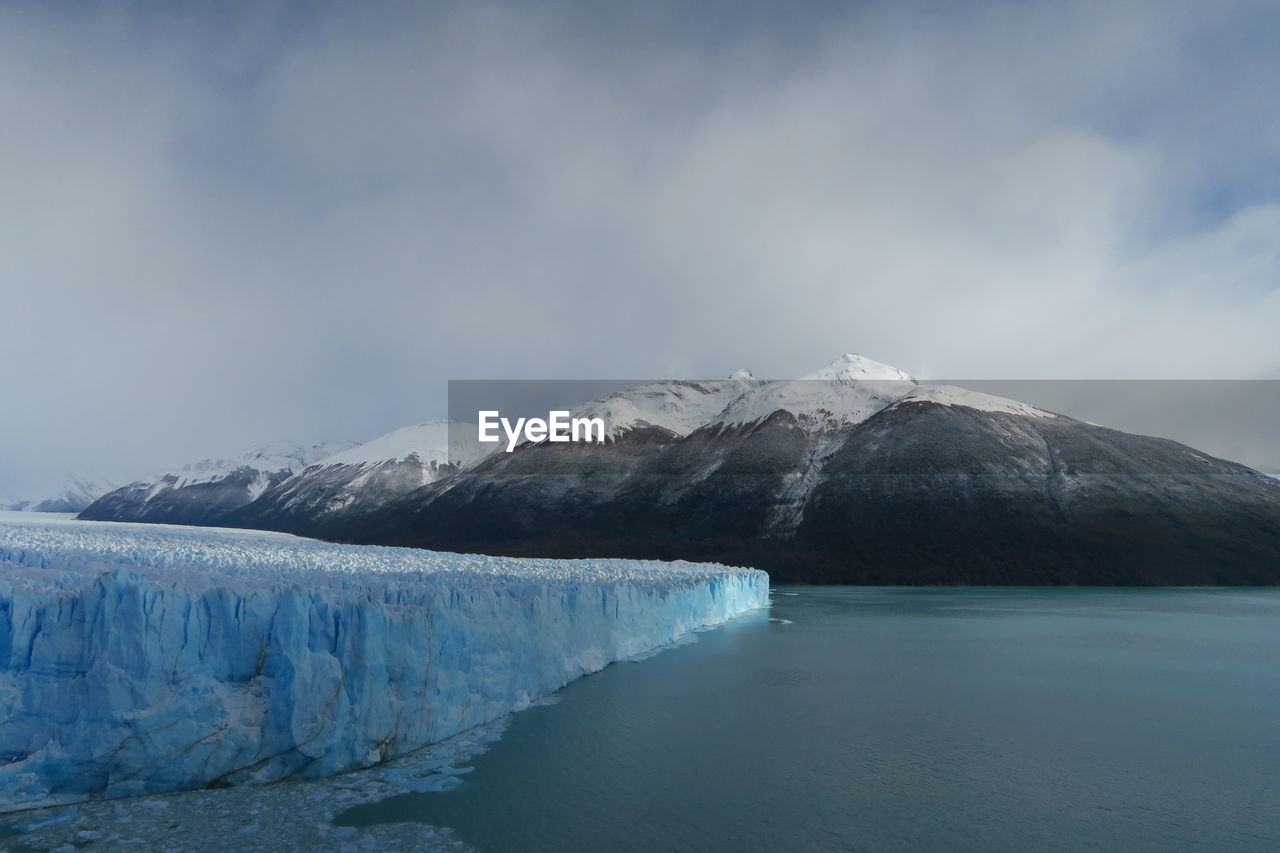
905, 719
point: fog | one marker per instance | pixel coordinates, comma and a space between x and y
270, 221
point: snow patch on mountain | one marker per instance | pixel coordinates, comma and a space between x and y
140, 658
364, 477
429, 441
815, 402
204, 492
676, 405
849, 389
268, 458
949, 395
853, 367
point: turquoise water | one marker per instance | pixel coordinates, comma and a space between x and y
905, 719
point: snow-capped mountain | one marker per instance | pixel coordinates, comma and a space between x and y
205, 491
847, 391
71, 494
856, 474
677, 406
855, 367
361, 478
865, 386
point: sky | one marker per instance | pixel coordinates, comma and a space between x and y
224, 224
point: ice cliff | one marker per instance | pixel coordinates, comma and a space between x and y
136, 658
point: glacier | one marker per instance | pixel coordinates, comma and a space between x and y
138, 659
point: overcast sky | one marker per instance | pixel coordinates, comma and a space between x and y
225, 225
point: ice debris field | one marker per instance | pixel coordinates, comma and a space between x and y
137, 659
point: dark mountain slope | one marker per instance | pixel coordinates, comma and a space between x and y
918, 493
204, 492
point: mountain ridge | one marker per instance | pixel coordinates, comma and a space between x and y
857, 473
203, 492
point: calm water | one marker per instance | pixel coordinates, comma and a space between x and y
891, 719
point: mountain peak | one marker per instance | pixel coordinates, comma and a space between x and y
854, 366
741, 373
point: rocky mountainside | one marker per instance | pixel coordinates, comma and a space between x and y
856, 473
859, 475
71, 494
356, 481
204, 492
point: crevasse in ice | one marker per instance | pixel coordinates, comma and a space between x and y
141, 658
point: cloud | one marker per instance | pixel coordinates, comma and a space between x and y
286, 221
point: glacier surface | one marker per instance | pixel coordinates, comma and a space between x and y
137, 658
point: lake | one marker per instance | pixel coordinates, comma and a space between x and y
904, 719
